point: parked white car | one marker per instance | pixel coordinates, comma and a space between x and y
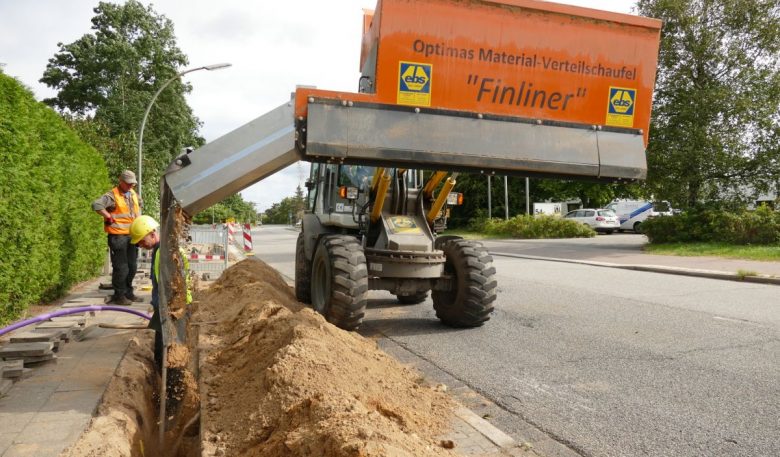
599, 219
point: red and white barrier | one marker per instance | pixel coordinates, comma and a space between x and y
247, 237
231, 231
206, 257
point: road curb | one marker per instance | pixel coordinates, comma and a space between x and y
711, 274
488, 430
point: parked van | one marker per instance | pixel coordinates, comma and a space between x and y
633, 212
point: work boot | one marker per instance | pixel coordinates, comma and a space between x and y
121, 301
135, 298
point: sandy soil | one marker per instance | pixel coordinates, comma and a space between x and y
278, 380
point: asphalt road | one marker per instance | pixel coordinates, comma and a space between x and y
616, 244
605, 362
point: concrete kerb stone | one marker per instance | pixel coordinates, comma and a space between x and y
711, 274
496, 436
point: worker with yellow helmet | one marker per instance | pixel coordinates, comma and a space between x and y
144, 232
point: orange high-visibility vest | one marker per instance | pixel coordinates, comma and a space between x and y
123, 216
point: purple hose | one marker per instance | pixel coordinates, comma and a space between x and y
65, 312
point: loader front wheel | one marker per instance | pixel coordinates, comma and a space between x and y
302, 273
339, 281
444, 239
412, 299
470, 300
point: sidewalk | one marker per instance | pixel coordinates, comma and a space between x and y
46, 412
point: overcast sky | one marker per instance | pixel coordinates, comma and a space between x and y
273, 46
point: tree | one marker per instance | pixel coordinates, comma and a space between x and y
108, 77
591, 194
233, 206
299, 202
280, 213
475, 204
714, 132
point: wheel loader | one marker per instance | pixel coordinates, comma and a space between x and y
508, 87
369, 228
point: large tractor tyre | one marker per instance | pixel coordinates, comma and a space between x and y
302, 273
470, 302
339, 281
444, 239
412, 299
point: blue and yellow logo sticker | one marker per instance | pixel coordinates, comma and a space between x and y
403, 224
414, 83
621, 106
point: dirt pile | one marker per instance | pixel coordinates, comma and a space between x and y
278, 380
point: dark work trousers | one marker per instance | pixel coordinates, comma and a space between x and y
124, 262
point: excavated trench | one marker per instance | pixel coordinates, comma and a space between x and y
262, 375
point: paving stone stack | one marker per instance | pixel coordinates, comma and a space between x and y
30, 353
45, 335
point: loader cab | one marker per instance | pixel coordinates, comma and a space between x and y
337, 194
362, 176
340, 195
358, 176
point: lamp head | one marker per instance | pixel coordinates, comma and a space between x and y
217, 66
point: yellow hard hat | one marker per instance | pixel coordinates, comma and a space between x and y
142, 226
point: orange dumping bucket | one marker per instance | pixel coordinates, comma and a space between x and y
584, 77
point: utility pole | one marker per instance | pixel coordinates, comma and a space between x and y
506, 198
490, 202
527, 198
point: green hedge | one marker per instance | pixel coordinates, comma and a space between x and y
49, 236
761, 226
532, 227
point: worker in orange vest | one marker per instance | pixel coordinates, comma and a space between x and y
119, 207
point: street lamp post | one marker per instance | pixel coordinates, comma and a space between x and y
217, 66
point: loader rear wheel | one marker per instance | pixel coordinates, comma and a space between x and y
412, 299
470, 301
302, 273
339, 281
